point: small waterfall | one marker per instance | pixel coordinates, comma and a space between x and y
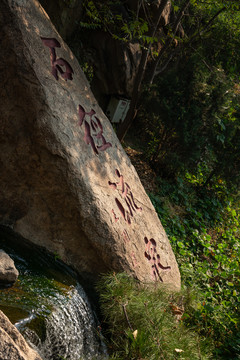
71, 330
23, 322
49, 306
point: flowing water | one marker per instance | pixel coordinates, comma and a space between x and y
48, 305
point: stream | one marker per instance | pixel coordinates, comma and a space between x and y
49, 306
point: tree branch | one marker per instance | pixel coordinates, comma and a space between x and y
169, 40
138, 80
208, 25
212, 20
163, 67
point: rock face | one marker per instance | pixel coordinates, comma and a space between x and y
8, 272
12, 344
66, 182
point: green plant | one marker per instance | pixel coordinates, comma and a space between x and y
190, 119
203, 227
142, 323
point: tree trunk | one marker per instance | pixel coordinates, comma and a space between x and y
138, 81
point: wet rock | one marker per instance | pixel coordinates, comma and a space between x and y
8, 272
12, 344
66, 182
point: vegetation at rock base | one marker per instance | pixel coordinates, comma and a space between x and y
146, 321
202, 223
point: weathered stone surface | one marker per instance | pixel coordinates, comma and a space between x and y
12, 344
66, 183
8, 272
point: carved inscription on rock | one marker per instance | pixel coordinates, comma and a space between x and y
126, 207
93, 130
154, 258
57, 63
128, 210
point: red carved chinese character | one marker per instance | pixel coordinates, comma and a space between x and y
93, 128
154, 258
57, 63
126, 194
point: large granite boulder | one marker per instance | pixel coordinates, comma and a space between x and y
8, 272
12, 344
66, 182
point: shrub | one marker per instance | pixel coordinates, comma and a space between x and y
203, 227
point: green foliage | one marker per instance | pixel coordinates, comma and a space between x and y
192, 121
155, 332
214, 5
113, 17
191, 118
203, 227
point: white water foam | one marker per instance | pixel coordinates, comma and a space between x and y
71, 330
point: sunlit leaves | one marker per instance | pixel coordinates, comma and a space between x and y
207, 247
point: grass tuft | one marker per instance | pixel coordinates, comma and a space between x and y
144, 322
